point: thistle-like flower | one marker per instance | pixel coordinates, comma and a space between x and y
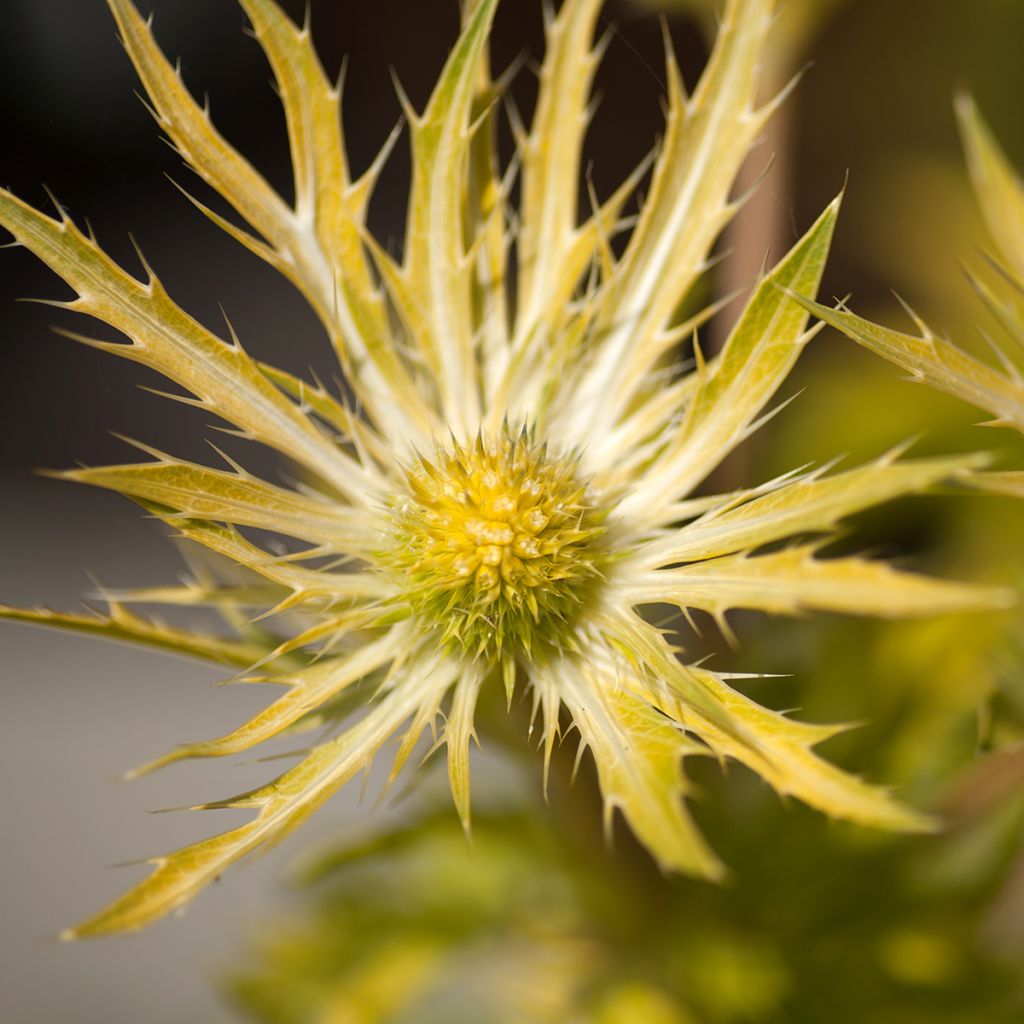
512, 478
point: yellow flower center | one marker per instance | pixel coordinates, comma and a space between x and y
495, 545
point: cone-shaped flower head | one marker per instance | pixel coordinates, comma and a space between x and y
496, 547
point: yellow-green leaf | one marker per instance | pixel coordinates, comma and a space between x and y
999, 189
931, 360
282, 806
807, 505
123, 626
793, 580
779, 750
729, 393
198, 492
638, 755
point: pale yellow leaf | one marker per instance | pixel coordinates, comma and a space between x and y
790, 581
998, 187
308, 689
1009, 482
318, 244
432, 289
707, 138
123, 626
933, 361
638, 755
807, 505
198, 492
222, 376
458, 732
282, 806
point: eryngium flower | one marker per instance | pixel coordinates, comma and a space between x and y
511, 480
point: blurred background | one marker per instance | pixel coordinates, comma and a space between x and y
390, 918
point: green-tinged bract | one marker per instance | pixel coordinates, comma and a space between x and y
933, 360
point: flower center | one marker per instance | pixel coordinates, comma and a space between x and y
495, 545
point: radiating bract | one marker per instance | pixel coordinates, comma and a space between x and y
931, 359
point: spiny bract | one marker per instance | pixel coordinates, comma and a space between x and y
446, 551
933, 360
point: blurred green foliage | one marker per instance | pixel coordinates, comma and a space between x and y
538, 923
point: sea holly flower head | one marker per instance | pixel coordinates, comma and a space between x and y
496, 547
514, 475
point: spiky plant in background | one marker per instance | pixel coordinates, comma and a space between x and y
512, 478
933, 360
